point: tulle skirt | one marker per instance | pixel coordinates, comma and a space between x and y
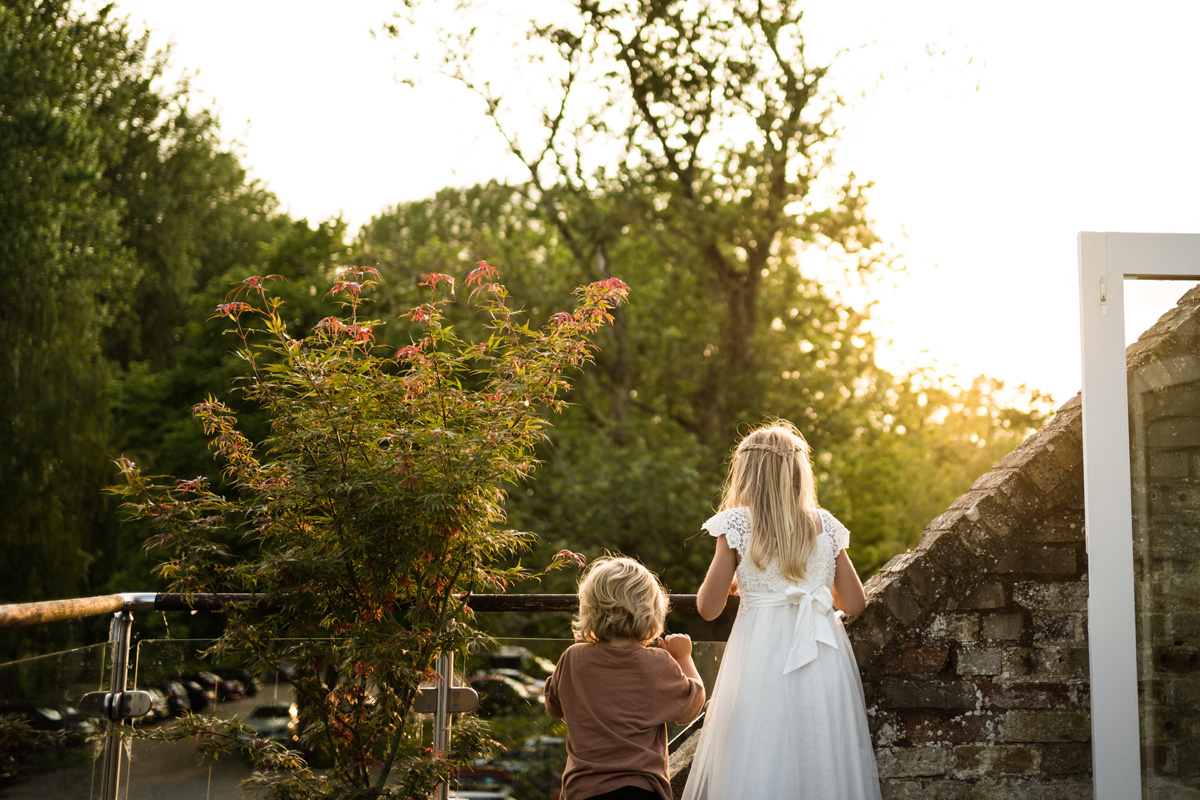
770, 735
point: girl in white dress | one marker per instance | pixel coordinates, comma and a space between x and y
786, 718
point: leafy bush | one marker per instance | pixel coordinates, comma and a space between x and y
371, 512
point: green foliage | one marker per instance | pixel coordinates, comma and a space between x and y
190, 215
688, 147
643, 487
701, 132
62, 268
927, 440
119, 212
372, 508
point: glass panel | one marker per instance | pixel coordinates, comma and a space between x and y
1164, 410
531, 750
47, 747
1147, 300
181, 680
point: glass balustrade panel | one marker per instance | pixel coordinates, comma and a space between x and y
48, 747
526, 763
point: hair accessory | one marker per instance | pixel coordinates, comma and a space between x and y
782, 450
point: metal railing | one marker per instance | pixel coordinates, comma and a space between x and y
120, 706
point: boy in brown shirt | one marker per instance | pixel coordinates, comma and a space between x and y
616, 693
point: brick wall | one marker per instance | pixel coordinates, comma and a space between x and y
973, 649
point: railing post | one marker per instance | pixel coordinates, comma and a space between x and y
441, 714
119, 634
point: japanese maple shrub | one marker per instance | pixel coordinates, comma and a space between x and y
370, 513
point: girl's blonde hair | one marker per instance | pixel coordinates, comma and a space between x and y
620, 599
772, 476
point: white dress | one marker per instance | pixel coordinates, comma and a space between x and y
786, 717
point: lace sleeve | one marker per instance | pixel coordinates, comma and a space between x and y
733, 524
839, 532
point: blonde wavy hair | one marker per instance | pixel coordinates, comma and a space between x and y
619, 599
772, 476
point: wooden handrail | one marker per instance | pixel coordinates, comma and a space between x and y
22, 614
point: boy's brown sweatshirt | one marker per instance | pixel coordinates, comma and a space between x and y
616, 701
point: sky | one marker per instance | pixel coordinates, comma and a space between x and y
993, 132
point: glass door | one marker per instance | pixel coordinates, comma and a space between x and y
1142, 596
1164, 438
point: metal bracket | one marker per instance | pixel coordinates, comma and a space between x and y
462, 699
119, 706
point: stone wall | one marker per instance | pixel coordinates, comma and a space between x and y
973, 648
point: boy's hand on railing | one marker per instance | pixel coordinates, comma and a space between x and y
678, 645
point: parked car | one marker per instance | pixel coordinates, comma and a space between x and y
226, 688
178, 700
201, 697
286, 670
480, 787
534, 685
68, 720
18, 742
539, 761
497, 791
544, 748
275, 721
520, 658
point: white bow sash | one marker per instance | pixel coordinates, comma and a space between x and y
814, 620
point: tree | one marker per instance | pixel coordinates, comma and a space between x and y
691, 147
119, 208
928, 441
190, 216
375, 507
588, 494
62, 273
714, 137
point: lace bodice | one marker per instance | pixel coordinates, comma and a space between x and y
734, 525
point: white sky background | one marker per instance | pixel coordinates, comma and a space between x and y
999, 131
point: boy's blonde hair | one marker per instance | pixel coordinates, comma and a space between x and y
772, 475
620, 599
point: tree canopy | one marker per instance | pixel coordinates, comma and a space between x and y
121, 216
65, 86
375, 504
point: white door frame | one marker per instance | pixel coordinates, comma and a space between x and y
1105, 261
